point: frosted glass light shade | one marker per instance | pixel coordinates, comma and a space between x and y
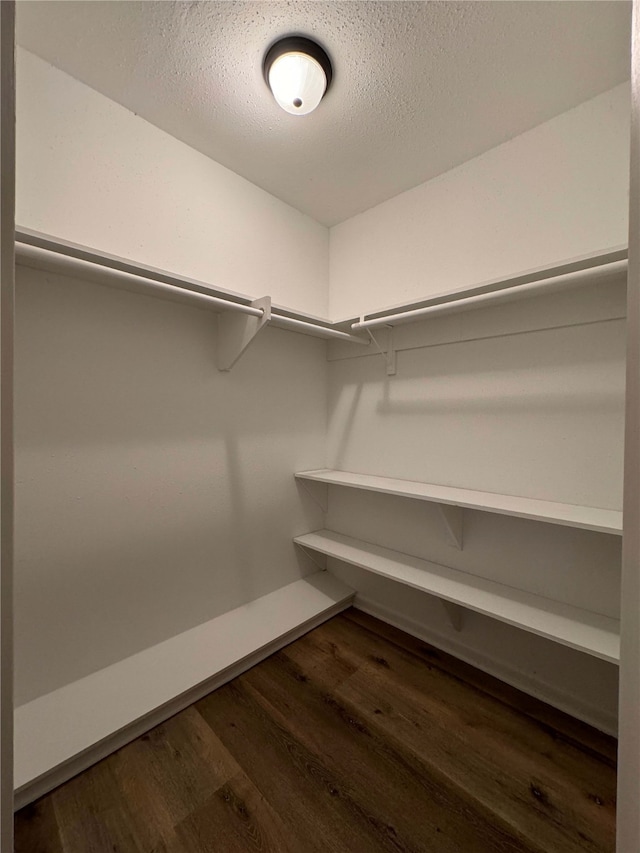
298, 82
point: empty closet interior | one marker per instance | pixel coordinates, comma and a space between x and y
248, 397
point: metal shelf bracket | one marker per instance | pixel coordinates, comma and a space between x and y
452, 520
237, 331
455, 614
388, 353
319, 492
319, 559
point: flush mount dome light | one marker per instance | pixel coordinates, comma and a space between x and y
298, 72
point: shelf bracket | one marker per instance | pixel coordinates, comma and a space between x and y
455, 614
237, 331
452, 520
318, 491
319, 559
389, 355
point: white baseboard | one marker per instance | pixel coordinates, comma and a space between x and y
64, 732
564, 701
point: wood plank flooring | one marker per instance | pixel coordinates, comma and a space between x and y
356, 738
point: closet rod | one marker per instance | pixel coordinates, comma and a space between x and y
313, 329
604, 271
67, 265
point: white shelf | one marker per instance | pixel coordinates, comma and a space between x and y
580, 629
569, 515
64, 732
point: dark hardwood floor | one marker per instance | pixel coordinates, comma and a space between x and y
356, 738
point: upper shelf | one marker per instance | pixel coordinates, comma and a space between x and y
42, 252
598, 268
568, 515
45, 251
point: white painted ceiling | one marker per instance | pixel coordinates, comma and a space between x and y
419, 87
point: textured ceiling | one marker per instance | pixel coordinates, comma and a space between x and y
419, 87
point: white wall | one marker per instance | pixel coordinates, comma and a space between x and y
524, 399
152, 491
537, 414
93, 173
554, 193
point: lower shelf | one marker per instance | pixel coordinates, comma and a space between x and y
580, 629
64, 732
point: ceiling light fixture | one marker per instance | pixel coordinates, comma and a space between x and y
298, 72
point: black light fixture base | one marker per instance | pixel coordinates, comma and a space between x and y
299, 44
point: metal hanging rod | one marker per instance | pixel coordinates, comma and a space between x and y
64, 264
77, 268
313, 329
578, 277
